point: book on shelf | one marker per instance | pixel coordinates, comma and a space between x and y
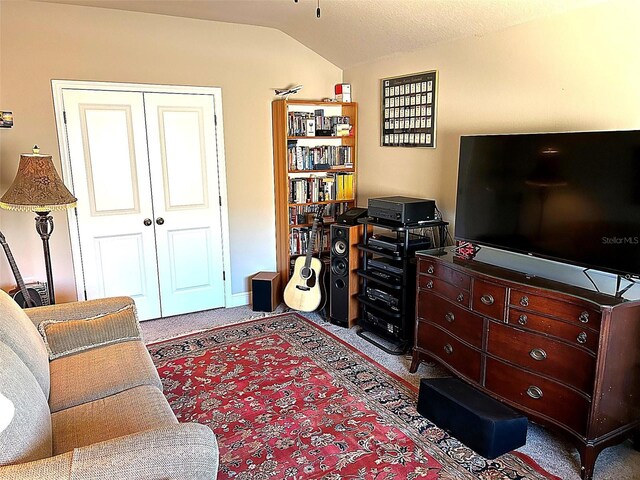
307, 124
311, 127
297, 123
331, 186
344, 189
302, 157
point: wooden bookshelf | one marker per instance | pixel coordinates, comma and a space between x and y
284, 172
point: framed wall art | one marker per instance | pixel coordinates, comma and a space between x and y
408, 110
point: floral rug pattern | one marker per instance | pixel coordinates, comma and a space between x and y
288, 400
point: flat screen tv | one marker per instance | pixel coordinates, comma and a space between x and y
570, 197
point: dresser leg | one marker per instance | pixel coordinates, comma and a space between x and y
588, 456
415, 362
636, 439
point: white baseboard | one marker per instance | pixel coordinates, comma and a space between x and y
238, 299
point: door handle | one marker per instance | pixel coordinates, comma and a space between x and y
147, 221
159, 220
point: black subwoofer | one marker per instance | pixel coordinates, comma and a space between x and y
344, 261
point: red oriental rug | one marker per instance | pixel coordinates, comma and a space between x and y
288, 400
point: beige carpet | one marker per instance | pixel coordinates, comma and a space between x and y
552, 453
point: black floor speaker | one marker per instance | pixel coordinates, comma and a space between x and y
482, 423
266, 290
344, 281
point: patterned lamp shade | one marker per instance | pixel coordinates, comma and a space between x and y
37, 187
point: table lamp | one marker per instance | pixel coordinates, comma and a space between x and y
38, 188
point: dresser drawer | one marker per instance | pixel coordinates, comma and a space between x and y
452, 292
564, 310
460, 357
489, 299
450, 317
576, 334
447, 274
538, 394
543, 355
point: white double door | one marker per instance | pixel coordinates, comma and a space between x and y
145, 171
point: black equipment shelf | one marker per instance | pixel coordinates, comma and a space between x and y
392, 329
382, 252
381, 281
377, 306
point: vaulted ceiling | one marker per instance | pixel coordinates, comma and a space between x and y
350, 32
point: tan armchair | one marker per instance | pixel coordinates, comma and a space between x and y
86, 402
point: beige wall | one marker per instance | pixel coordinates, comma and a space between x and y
40, 42
578, 71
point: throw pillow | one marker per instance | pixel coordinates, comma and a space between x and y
65, 337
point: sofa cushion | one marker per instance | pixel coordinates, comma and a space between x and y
27, 436
181, 451
19, 333
135, 410
65, 337
100, 372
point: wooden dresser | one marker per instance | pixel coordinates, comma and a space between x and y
565, 356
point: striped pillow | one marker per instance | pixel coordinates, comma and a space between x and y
66, 337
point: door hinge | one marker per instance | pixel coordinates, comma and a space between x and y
224, 276
85, 294
215, 120
64, 117
220, 200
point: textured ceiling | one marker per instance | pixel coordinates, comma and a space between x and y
350, 32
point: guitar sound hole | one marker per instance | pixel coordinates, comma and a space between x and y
309, 276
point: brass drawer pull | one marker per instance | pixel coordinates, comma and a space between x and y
584, 317
448, 349
460, 297
524, 301
430, 269
429, 284
534, 392
487, 299
522, 319
582, 337
449, 317
538, 354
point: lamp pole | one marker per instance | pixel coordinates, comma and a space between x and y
44, 227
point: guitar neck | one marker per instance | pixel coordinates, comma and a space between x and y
312, 237
14, 266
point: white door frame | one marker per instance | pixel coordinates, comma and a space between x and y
58, 86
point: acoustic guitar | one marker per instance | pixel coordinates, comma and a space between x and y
305, 290
25, 297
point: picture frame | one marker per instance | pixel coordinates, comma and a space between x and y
408, 110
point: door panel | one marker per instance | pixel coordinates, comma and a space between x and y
110, 159
183, 160
188, 270
184, 165
111, 254
108, 156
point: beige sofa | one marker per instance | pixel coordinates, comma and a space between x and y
81, 399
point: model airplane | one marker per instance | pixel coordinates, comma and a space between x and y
288, 91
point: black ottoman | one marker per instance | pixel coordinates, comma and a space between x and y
483, 424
